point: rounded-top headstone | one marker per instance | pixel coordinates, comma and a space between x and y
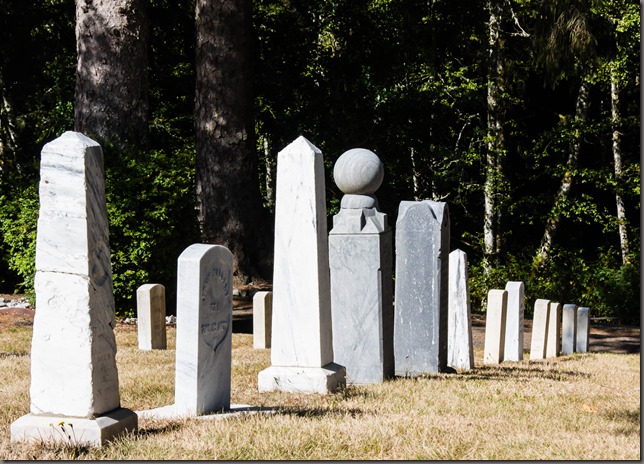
358, 172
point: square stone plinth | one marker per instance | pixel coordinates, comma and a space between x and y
74, 430
323, 380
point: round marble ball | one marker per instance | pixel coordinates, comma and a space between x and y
358, 172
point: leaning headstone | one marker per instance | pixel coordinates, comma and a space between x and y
74, 379
302, 344
262, 319
422, 285
540, 320
513, 350
150, 316
495, 320
360, 257
204, 329
553, 343
583, 329
460, 351
568, 329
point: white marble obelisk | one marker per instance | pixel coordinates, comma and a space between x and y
460, 350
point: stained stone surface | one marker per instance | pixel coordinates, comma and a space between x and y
150, 317
422, 250
583, 329
301, 327
553, 343
204, 329
73, 352
568, 329
540, 321
358, 172
513, 350
262, 319
460, 350
495, 320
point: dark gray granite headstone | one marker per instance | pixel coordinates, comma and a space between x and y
421, 296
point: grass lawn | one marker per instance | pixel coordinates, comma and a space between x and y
585, 406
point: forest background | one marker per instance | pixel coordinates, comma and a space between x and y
522, 115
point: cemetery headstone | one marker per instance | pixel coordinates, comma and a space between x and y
553, 343
540, 321
262, 319
513, 350
568, 329
302, 344
150, 317
360, 257
460, 350
422, 285
74, 379
495, 319
204, 329
583, 329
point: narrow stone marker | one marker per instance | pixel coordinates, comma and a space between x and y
460, 350
583, 329
540, 320
150, 317
360, 258
422, 286
302, 344
74, 379
204, 329
495, 317
553, 343
568, 329
513, 350
262, 319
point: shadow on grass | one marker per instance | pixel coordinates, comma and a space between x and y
524, 373
628, 419
156, 429
319, 412
16, 354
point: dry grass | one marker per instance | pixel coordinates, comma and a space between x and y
576, 407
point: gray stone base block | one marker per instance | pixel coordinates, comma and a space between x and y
172, 412
77, 430
323, 380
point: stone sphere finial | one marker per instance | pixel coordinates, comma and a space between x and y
358, 172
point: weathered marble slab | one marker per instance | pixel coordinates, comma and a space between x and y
460, 350
568, 329
495, 319
204, 329
583, 329
513, 350
540, 321
262, 319
553, 343
150, 317
422, 280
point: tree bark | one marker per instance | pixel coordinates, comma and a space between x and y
617, 157
229, 199
8, 137
112, 71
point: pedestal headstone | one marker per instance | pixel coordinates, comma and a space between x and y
460, 351
302, 344
73, 353
262, 319
495, 319
568, 329
553, 343
583, 329
540, 320
422, 285
513, 350
360, 256
204, 329
150, 316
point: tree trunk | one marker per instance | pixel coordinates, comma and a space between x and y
112, 71
617, 157
8, 137
542, 257
229, 199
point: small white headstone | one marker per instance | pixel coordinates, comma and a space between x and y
150, 316
583, 329
553, 343
513, 350
497, 301
262, 319
540, 320
460, 351
568, 329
